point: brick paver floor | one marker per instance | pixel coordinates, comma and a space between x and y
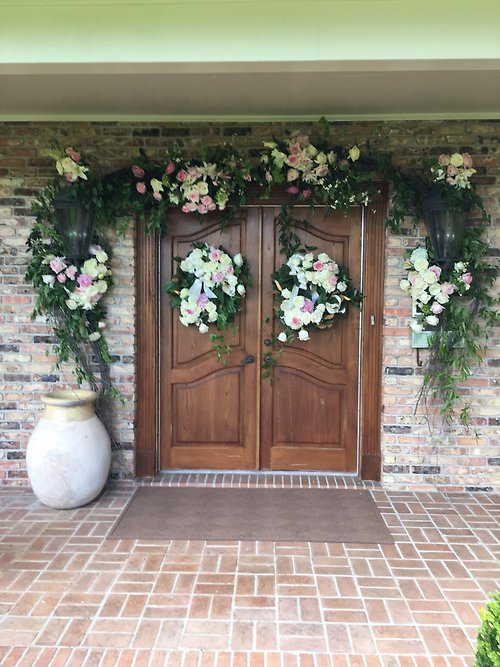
69, 596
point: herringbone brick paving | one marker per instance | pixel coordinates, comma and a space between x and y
69, 596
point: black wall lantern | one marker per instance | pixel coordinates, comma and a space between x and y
445, 229
74, 223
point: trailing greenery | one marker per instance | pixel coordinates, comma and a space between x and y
488, 638
460, 341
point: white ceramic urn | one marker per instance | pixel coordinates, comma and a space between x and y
69, 452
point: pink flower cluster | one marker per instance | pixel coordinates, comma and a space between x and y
196, 188
455, 170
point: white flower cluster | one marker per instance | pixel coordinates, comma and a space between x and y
455, 169
312, 275
212, 269
429, 294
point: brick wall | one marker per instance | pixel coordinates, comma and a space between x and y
415, 452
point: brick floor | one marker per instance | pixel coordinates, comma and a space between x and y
69, 596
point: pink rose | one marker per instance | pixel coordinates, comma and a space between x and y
448, 288
61, 277
467, 278
451, 170
206, 200
308, 306
182, 175
218, 277
212, 206
71, 178
437, 308
443, 160
158, 196
293, 190
84, 280
321, 171
138, 171
318, 266
71, 272
435, 270
203, 300
306, 194
170, 168
140, 187
294, 148
185, 208
214, 254
202, 209
293, 160
194, 196
467, 160
74, 155
57, 265
333, 280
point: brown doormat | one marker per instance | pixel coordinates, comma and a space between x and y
275, 515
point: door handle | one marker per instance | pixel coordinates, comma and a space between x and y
249, 359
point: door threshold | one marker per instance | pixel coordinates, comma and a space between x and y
287, 473
258, 479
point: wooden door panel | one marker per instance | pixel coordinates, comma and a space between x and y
320, 401
309, 413
207, 409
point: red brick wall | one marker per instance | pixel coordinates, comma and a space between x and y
414, 453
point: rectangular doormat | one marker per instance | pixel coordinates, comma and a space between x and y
275, 515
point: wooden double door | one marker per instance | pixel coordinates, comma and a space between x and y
228, 417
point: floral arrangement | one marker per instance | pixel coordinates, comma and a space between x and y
314, 173
70, 298
69, 164
326, 292
429, 292
208, 288
454, 170
446, 178
197, 186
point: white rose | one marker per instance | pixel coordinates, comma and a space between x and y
202, 188
456, 160
416, 326
405, 285
421, 264
95, 335
101, 256
303, 334
101, 286
354, 153
341, 286
432, 320
418, 253
203, 328
71, 303
238, 259
241, 290
429, 277
282, 337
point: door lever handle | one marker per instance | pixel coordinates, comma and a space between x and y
249, 359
